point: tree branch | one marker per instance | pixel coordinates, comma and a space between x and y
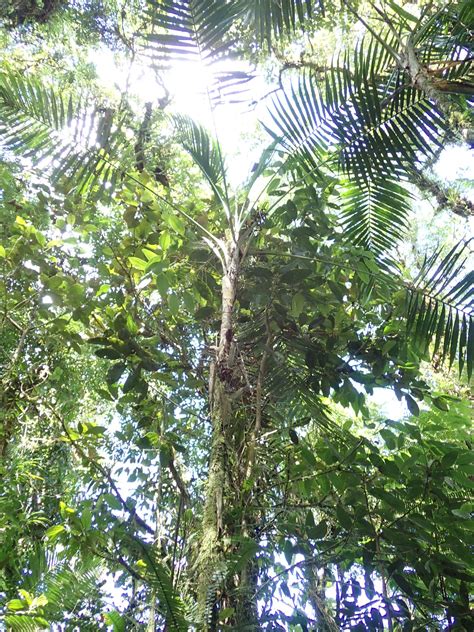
447, 197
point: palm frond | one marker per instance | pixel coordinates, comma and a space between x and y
441, 307
287, 390
270, 20
302, 122
190, 29
205, 151
62, 592
375, 214
196, 31
287, 384
170, 604
66, 588
368, 133
116, 620
68, 136
187, 28
446, 36
365, 122
443, 45
25, 623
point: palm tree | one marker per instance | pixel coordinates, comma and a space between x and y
359, 136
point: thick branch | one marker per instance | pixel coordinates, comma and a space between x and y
445, 196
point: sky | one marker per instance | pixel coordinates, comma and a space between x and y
234, 124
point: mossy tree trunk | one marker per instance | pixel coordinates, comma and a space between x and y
219, 587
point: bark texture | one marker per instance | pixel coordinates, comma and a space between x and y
219, 586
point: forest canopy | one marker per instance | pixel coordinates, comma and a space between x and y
237, 315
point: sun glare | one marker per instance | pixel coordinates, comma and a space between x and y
189, 88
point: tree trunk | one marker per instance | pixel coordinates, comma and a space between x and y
218, 587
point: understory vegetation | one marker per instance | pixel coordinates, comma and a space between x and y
236, 403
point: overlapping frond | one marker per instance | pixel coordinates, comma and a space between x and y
205, 151
364, 121
169, 602
441, 307
270, 20
287, 389
302, 122
369, 132
375, 214
63, 590
201, 30
445, 46
26, 623
71, 139
190, 29
186, 28
196, 31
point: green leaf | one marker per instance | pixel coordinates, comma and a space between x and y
114, 619
345, 519
112, 501
176, 223
389, 439
53, 532
412, 405
308, 456
403, 13
293, 436
297, 304
225, 613
189, 301
110, 354
441, 403
449, 459
165, 240
389, 497
16, 604
174, 304
138, 264
319, 531
132, 381
115, 372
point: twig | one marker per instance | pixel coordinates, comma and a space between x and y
100, 468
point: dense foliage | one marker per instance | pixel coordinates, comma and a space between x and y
195, 375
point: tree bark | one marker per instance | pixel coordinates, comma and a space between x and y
219, 587
445, 196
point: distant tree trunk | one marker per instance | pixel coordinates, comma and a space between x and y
152, 617
317, 597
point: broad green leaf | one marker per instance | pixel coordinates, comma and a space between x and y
53, 532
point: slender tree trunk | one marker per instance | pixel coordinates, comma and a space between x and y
218, 587
318, 601
152, 618
445, 196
